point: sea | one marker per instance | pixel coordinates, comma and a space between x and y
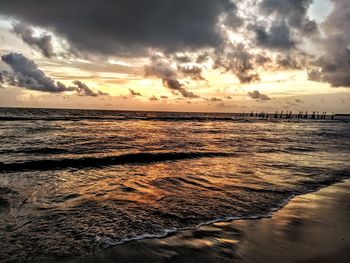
73, 182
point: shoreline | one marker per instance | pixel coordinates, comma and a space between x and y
292, 232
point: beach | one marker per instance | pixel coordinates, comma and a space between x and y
313, 227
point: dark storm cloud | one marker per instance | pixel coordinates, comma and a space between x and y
310, 27
127, 27
162, 70
287, 62
183, 59
43, 42
26, 74
7, 78
334, 66
159, 68
134, 93
315, 75
258, 96
239, 61
232, 21
287, 23
278, 36
293, 11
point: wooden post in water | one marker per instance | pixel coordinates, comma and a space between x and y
313, 115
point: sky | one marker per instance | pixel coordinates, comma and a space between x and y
176, 55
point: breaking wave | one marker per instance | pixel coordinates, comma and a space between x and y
91, 162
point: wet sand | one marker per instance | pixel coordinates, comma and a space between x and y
314, 227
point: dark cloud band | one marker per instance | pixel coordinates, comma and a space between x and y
43, 42
127, 27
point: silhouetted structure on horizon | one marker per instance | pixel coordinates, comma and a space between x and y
289, 115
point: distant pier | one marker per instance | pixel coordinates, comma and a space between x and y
315, 115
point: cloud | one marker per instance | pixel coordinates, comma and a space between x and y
189, 33
2, 80
334, 65
2, 77
193, 71
128, 27
261, 60
43, 42
215, 99
175, 85
285, 24
236, 59
162, 70
83, 90
134, 93
294, 12
183, 59
287, 62
278, 36
153, 98
159, 68
26, 74
315, 75
201, 58
258, 96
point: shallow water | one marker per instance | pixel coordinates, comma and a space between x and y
313, 227
73, 182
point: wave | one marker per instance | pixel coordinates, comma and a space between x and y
107, 241
44, 150
70, 118
91, 162
204, 118
121, 118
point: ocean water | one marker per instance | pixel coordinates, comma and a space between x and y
73, 182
